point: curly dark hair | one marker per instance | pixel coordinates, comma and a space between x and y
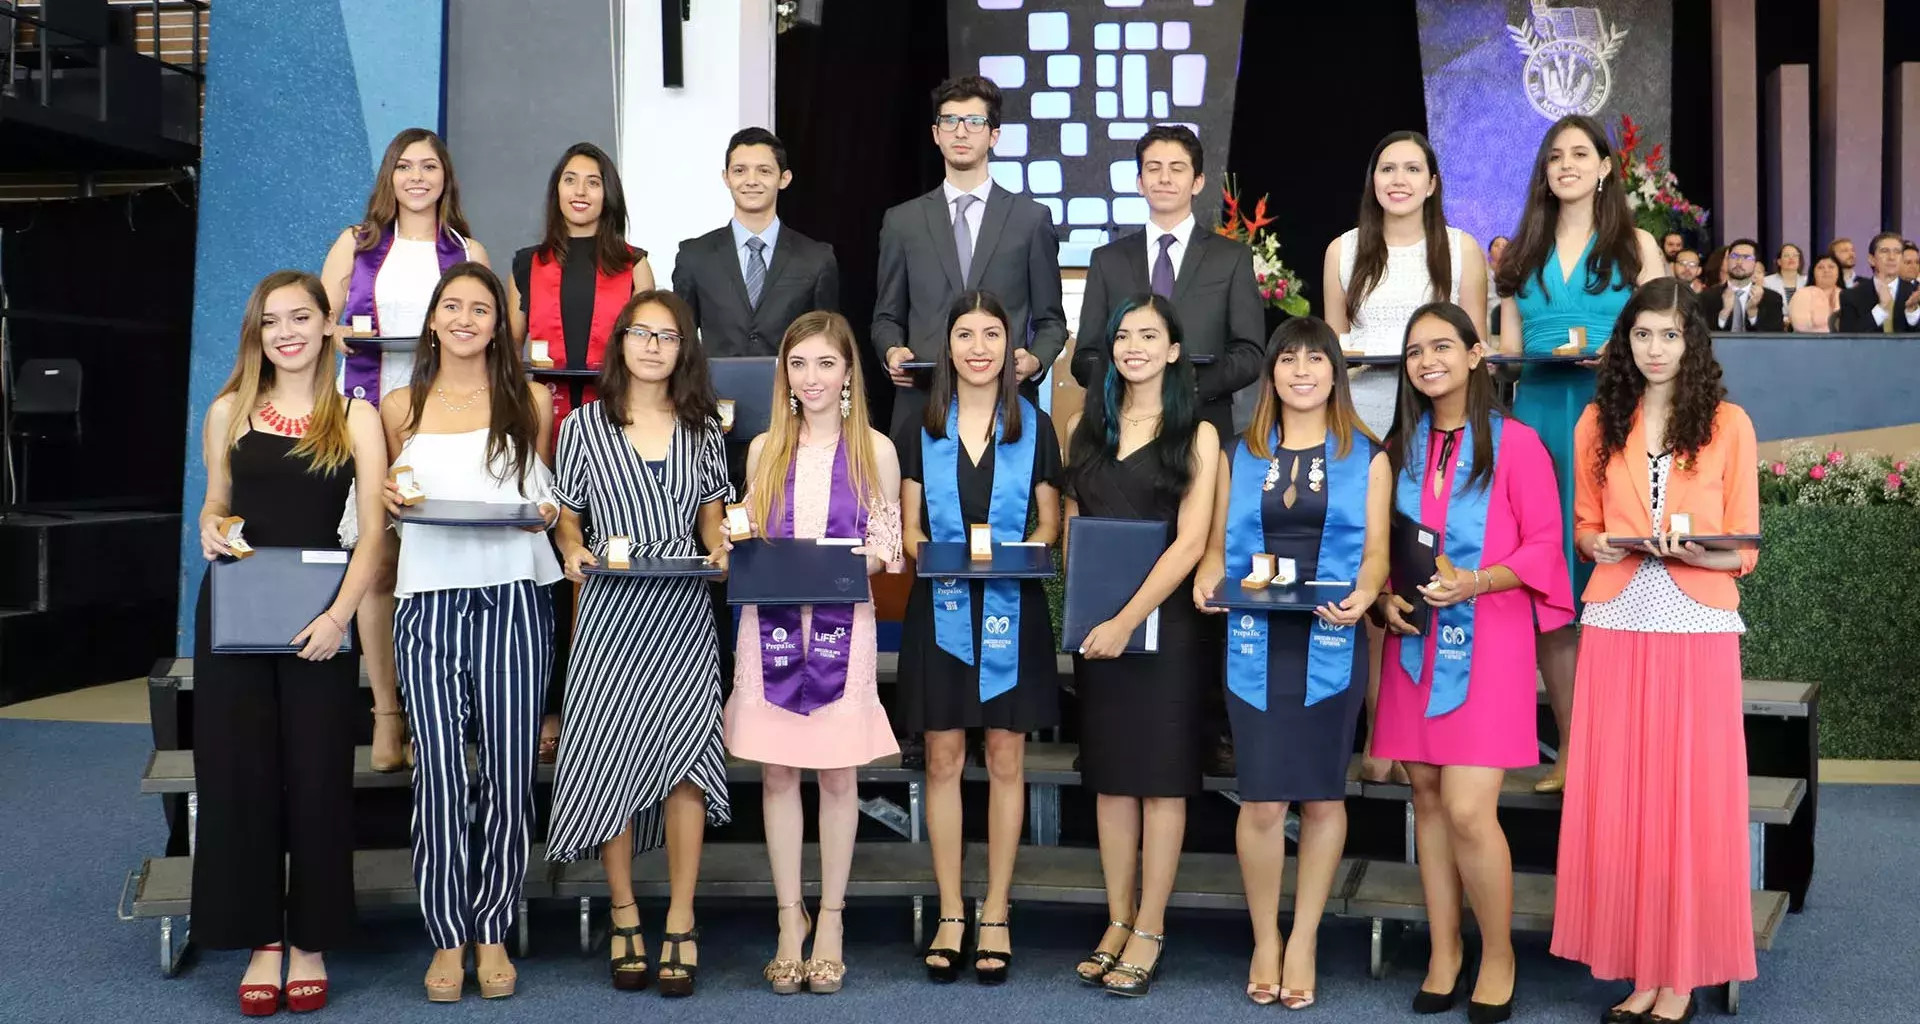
1697, 392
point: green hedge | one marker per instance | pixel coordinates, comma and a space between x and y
1836, 600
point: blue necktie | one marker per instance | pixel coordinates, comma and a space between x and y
756, 269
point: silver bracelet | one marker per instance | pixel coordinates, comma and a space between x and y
1476, 588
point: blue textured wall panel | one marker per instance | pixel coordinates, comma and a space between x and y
286, 163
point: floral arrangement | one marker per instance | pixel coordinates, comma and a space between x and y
1807, 474
1653, 192
1279, 287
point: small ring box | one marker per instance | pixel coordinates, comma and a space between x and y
979, 543
363, 326
1265, 569
1679, 524
619, 552
539, 355
410, 492
1443, 567
739, 524
1576, 342
725, 408
231, 526
1352, 353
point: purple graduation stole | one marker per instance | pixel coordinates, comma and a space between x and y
363, 362
802, 678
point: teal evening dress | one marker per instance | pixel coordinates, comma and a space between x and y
1550, 399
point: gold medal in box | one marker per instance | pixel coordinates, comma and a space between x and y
980, 543
739, 524
539, 355
1576, 342
410, 492
724, 407
1679, 525
1270, 571
231, 527
620, 553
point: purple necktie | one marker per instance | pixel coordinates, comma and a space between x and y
1163, 268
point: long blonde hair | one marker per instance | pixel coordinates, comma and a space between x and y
326, 445
767, 491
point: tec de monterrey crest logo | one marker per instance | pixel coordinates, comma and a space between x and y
1567, 51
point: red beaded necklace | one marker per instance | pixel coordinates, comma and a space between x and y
283, 424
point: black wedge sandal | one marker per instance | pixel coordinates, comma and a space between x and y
990, 975
948, 972
629, 971
675, 986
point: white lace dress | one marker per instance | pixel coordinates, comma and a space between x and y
1381, 327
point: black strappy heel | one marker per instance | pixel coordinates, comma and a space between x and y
990, 975
630, 971
681, 984
948, 972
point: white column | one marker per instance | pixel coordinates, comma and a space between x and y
673, 141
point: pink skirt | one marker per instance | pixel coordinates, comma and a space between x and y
1653, 880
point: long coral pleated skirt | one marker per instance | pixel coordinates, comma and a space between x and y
1653, 880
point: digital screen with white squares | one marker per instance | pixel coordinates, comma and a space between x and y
1083, 80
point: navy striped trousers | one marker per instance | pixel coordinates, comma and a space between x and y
480, 659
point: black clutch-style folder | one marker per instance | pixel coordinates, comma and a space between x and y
1107, 560
747, 382
952, 560
1413, 549
445, 512
694, 566
261, 602
782, 570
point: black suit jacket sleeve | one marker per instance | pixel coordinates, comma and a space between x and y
826, 285
684, 262
1089, 345
1772, 315
1856, 309
890, 298
1048, 313
1239, 365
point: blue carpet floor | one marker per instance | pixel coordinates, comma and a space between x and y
72, 823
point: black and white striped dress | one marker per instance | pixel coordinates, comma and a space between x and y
642, 706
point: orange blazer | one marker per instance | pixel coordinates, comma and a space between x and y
1719, 488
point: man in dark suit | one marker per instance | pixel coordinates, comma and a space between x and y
748, 280
1883, 302
1744, 303
967, 234
1208, 277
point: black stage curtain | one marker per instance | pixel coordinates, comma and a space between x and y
852, 104
108, 282
1693, 143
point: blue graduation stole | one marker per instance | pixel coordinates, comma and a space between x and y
1465, 544
1007, 518
1342, 542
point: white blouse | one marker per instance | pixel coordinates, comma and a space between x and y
1380, 329
453, 467
401, 291
1652, 602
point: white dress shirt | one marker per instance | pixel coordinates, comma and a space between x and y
1880, 312
975, 213
1177, 252
1741, 295
741, 236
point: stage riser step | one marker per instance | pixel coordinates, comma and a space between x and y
64, 649
1771, 801
89, 559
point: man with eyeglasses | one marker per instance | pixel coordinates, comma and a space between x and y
967, 234
1744, 303
1885, 302
1686, 267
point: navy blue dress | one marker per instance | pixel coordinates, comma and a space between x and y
1290, 751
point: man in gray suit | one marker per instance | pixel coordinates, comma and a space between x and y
748, 280
1208, 277
965, 235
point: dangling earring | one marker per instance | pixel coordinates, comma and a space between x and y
846, 399
1600, 188
793, 403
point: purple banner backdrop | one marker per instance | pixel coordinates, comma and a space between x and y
1499, 72
1083, 80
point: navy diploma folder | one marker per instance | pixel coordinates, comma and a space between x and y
1107, 561
952, 561
261, 602
1412, 549
1300, 597
658, 567
747, 382
444, 512
1710, 541
783, 570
